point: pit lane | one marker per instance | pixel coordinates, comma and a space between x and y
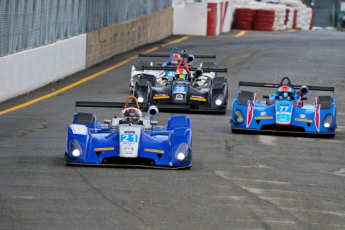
237, 181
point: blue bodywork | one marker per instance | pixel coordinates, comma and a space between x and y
157, 147
284, 114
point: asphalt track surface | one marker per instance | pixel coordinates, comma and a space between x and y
237, 181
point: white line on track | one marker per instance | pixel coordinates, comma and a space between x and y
261, 181
222, 174
341, 172
236, 198
256, 166
267, 140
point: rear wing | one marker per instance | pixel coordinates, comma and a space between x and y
219, 70
274, 85
184, 55
143, 106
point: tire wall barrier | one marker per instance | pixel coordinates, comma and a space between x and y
283, 15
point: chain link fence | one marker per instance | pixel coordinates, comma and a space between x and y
25, 24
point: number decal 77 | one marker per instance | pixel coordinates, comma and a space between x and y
284, 108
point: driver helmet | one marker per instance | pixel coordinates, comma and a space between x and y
176, 57
131, 115
285, 91
181, 74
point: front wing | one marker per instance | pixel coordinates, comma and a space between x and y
102, 149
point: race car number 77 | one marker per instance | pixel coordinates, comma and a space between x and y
284, 108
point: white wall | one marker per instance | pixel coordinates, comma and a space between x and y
31, 69
190, 20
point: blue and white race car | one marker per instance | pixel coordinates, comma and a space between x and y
175, 56
129, 139
285, 110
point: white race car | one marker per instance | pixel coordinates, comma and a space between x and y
162, 76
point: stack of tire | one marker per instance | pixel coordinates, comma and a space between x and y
312, 20
264, 20
287, 16
244, 18
290, 17
294, 23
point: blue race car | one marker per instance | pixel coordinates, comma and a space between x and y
285, 110
129, 139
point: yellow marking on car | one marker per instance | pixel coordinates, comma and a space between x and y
56, 92
153, 150
263, 117
303, 120
197, 99
104, 149
161, 97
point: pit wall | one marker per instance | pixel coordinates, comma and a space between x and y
29, 70
107, 42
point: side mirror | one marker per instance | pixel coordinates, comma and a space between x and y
303, 98
265, 96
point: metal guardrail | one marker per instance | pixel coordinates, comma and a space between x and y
32, 23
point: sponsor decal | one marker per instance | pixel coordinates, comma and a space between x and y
129, 132
128, 148
263, 113
263, 117
283, 118
303, 120
104, 149
302, 116
154, 150
197, 98
179, 97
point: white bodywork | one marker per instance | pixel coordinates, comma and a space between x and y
205, 79
129, 140
79, 129
135, 74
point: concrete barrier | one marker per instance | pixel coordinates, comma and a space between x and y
31, 69
211, 17
107, 42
